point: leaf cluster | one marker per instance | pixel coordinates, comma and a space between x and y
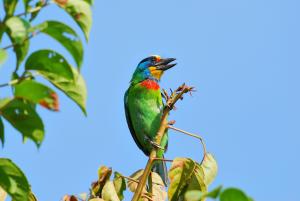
20, 108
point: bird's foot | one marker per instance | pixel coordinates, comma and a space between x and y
154, 144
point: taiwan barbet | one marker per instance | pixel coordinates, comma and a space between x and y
144, 108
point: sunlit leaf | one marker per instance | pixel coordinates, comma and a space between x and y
13, 180
104, 174
70, 198
180, 173
25, 119
3, 56
80, 12
120, 185
109, 192
10, 7
42, 95
210, 168
32, 197
158, 187
3, 194
50, 64
96, 199
66, 36
2, 137
17, 29
132, 185
197, 195
55, 68
233, 194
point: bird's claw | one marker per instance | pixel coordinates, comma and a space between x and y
154, 144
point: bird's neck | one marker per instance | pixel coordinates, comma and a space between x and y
150, 84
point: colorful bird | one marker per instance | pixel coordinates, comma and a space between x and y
144, 107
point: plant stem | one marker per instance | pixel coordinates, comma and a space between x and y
175, 96
190, 134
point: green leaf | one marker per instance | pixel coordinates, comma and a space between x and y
42, 95
120, 185
109, 192
25, 119
54, 68
66, 36
3, 56
80, 12
2, 138
10, 7
233, 194
91, 2
50, 64
17, 29
13, 180
210, 168
197, 195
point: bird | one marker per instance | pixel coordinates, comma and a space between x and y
144, 108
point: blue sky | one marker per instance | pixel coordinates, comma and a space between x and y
241, 55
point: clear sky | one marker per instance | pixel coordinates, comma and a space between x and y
241, 55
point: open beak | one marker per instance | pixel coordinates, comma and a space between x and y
164, 64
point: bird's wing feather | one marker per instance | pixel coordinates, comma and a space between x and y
129, 123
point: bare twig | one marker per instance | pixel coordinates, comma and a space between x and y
33, 10
170, 102
190, 134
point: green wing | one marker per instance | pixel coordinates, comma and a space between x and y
130, 126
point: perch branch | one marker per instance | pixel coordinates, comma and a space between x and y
170, 102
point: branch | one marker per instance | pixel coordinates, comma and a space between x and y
192, 135
33, 10
170, 102
18, 80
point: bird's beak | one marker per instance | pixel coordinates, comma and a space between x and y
164, 64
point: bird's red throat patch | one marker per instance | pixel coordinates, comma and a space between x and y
150, 84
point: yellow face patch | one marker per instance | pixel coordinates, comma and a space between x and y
155, 73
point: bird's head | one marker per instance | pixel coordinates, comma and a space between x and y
152, 68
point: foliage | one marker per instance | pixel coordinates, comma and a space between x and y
20, 109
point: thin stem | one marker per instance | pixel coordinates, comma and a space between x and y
33, 10
190, 134
170, 102
162, 159
26, 39
16, 81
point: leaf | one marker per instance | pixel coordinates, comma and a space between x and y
91, 2
50, 64
80, 12
158, 188
3, 194
13, 180
3, 56
197, 195
120, 185
54, 68
210, 168
104, 174
66, 36
42, 95
70, 198
10, 7
109, 192
179, 174
135, 176
233, 194
96, 199
17, 29
2, 138
32, 197
22, 116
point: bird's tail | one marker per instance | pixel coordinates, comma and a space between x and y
160, 168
